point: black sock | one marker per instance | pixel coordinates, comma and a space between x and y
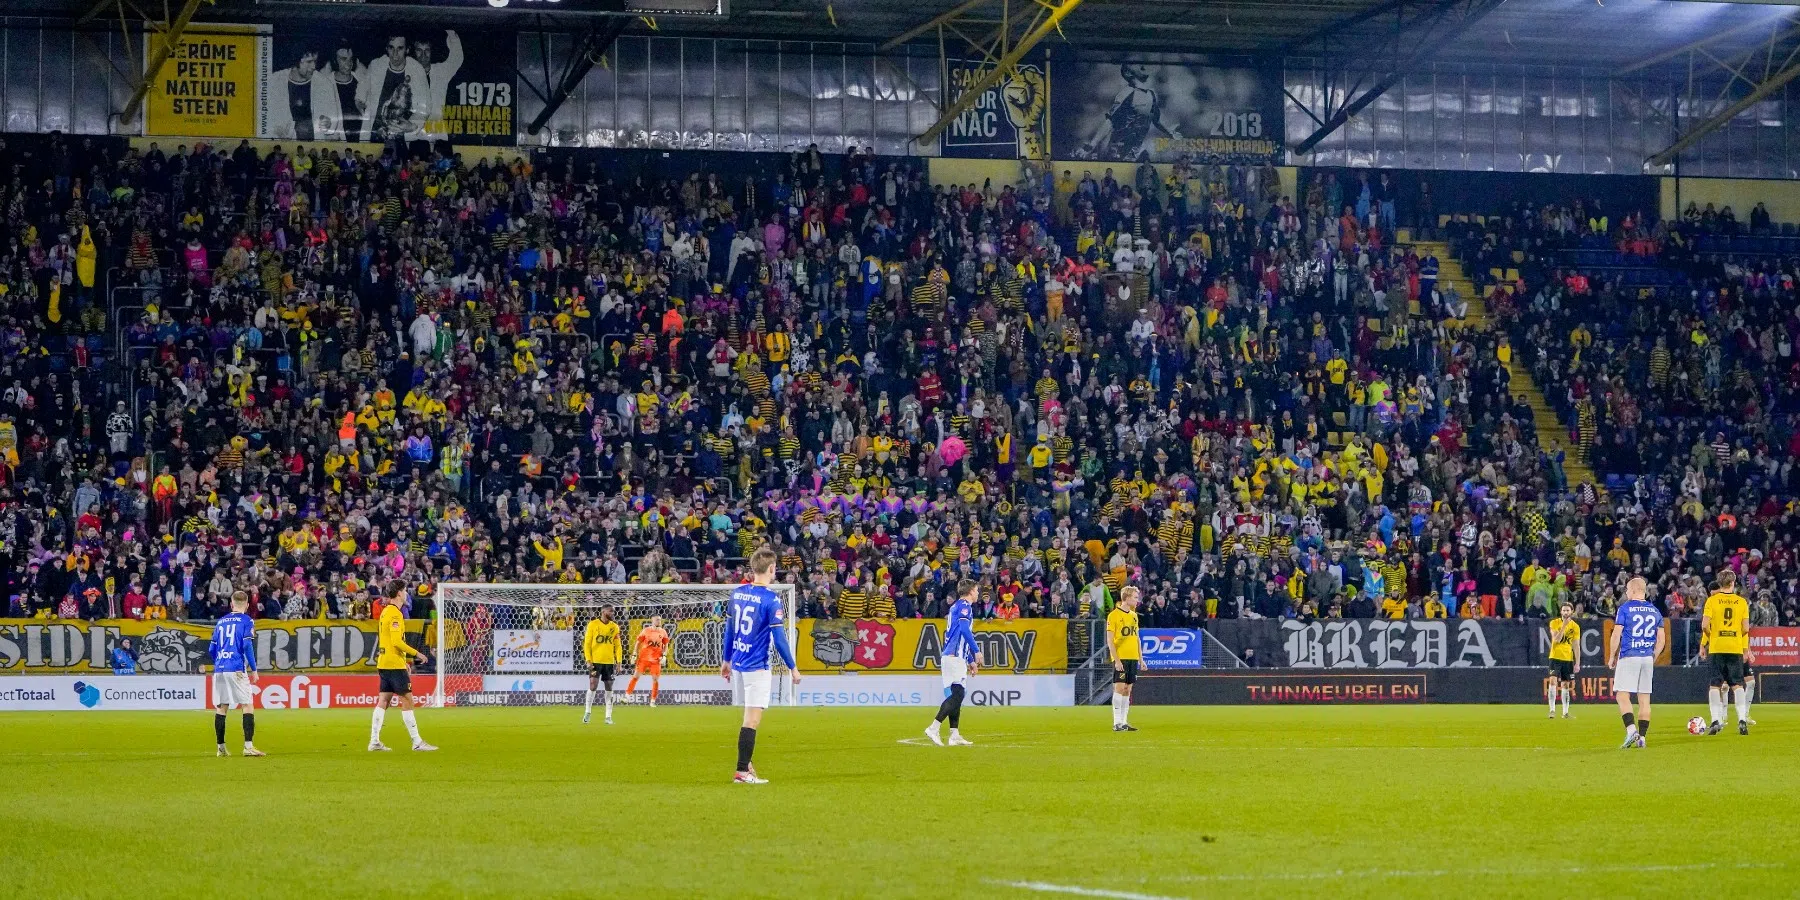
955, 700
943, 710
746, 748
249, 727
219, 727
1627, 717
1643, 726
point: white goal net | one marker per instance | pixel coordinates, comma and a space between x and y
521, 644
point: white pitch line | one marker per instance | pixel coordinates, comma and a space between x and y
1441, 873
1484, 872
1044, 887
1315, 748
1007, 745
926, 742
1047, 888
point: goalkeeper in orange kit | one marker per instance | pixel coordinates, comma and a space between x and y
652, 646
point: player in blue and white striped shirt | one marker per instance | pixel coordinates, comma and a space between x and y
959, 660
233, 649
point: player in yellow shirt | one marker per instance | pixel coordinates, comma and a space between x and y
1725, 637
1565, 658
391, 665
600, 646
1127, 654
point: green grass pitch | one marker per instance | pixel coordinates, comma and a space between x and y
1427, 801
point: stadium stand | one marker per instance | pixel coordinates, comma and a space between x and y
326, 371
1668, 362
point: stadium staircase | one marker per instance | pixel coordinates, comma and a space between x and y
1550, 430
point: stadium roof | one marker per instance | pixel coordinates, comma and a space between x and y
1599, 34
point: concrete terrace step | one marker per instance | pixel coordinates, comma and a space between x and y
1550, 431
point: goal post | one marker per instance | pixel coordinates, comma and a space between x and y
520, 644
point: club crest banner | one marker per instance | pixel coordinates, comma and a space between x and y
1010, 120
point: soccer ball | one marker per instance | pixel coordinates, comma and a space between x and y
1696, 725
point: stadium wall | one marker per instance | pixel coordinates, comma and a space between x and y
1741, 194
1496, 193
944, 170
161, 647
1412, 643
1270, 687
262, 146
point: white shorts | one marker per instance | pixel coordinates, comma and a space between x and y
956, 671
754, 688
1633, 674
231, 689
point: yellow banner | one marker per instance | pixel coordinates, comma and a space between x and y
208, 88
913, 645
41, 646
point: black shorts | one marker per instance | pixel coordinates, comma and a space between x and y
1127, 673
1563, 669
602, 671
395, 681
1728, 669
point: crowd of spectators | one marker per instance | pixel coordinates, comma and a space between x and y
1678, 385
320, 373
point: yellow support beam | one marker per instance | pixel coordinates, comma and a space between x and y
171, 36
1045, 24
